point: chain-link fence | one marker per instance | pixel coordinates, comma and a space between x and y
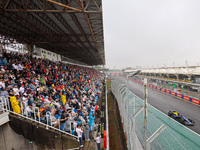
174, 136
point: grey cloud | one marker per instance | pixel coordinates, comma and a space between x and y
151, 32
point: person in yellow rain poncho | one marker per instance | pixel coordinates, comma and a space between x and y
15, 104
64, 98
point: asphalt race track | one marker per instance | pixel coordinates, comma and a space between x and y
164, 102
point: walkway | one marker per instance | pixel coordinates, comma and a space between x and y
91, 145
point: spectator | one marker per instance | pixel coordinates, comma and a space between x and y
98, 141
86, 131
5, 93
54, 121
29, 111
94, 130
63, 119
16, 90
21, 89
79, 133
15, 104
69, 90
25, 100
91, 118
5, 62
98, 114
68, 124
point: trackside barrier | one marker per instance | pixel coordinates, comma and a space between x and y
5, 107
187, 98
163, 133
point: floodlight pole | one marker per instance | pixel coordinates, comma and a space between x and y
127, 90
145, 111
127, 81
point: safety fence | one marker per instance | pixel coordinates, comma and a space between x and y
5, 106
161, 133
184, 97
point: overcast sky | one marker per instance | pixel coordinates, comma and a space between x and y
150, 33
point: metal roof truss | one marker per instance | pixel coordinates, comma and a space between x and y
72, 28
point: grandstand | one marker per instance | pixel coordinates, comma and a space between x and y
39, 90
52, 88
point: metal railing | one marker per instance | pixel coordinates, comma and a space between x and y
3, 104
5, 107
162, 132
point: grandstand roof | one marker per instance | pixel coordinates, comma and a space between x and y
196, 71
174, 70
72, 28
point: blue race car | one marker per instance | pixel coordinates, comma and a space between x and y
180, 118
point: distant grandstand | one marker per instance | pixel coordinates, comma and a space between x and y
185, 74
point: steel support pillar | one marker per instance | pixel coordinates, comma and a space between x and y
30, 49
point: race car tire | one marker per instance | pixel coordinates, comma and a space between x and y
184, 122
170, 113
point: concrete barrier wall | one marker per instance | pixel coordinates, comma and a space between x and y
20, 134
10, 140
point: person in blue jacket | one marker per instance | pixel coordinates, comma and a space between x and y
91, 118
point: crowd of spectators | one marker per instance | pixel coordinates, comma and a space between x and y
64, 94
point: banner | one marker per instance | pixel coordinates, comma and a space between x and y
163, 90
186, 98
196, 101
115, 73
44, 56
173, 93
168, 91
179, 95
